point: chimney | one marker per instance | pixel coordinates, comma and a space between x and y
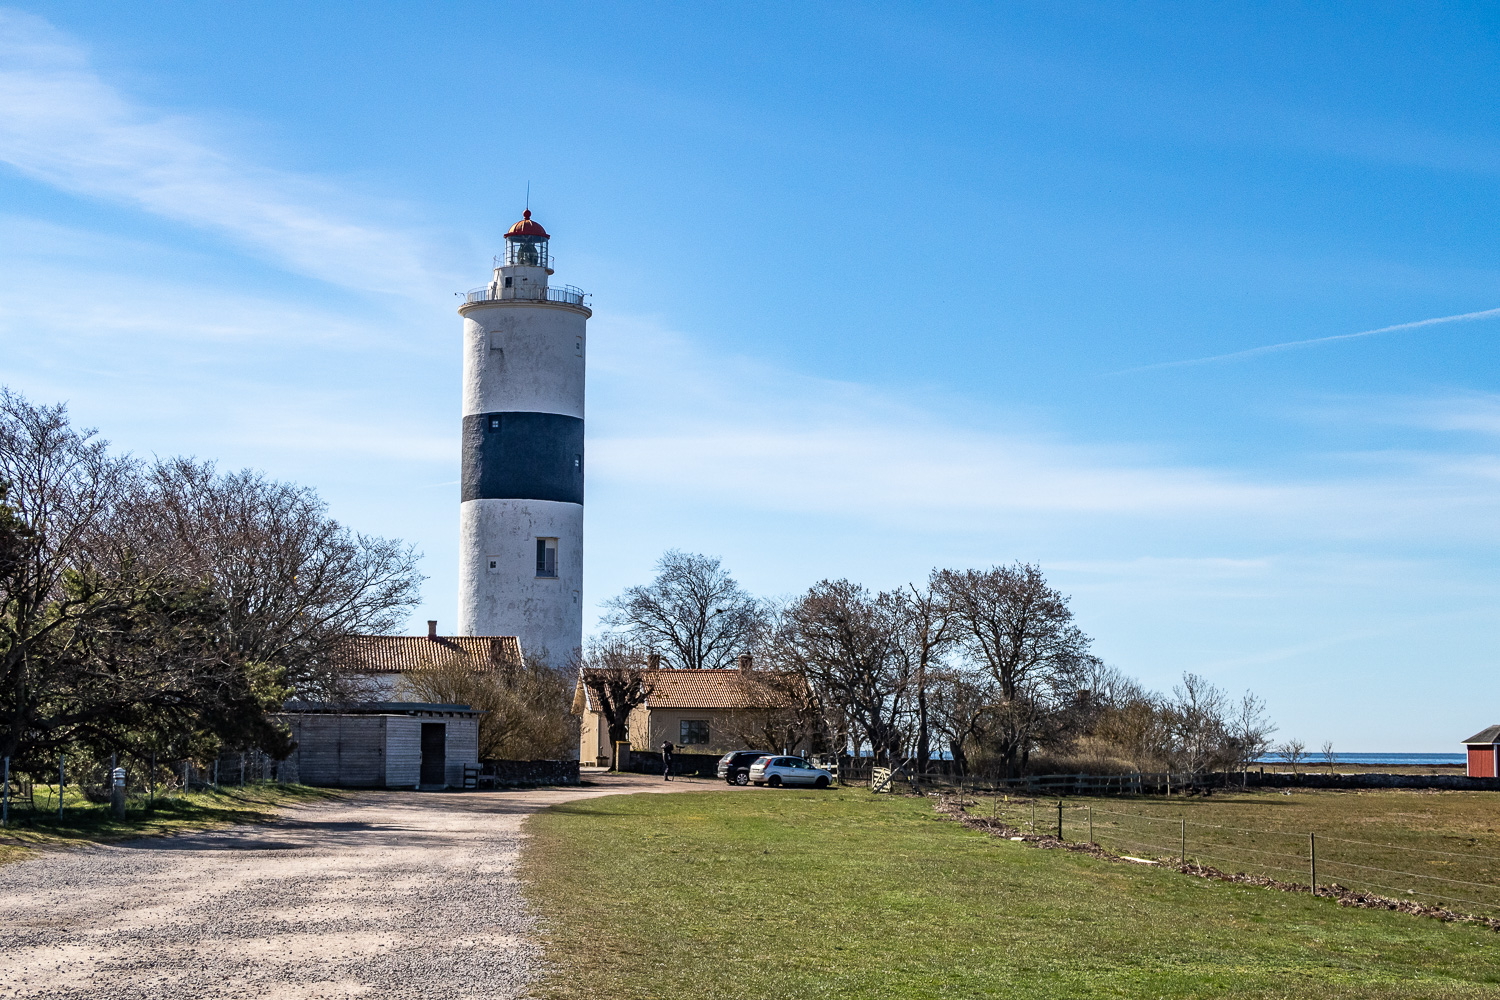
653, 661
746, 661
431, 629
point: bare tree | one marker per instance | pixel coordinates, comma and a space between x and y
1293, 753
1019, 629
1250, 732
524, 704
965, 709
693, 612
1329, 756
295, 582
62, 488
618, 682
99, 644
924, 633
1200, 726
845, 642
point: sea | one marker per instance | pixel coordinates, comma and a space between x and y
1314, 757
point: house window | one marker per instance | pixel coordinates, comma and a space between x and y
492, 564
546, 557
693, 731
494, 423
508, 282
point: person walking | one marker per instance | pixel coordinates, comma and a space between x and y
666, 760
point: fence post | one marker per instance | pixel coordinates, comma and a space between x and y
1184, 841
1033, 817
1312, 861
153, 777
1091, 824
216, 774
61, 780
5, 805
1059, 819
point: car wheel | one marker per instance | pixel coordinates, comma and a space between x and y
775, 781
821, 783
742, 778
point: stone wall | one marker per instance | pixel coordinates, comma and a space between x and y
527, 773
1314, 779
702, 765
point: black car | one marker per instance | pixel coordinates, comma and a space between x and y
734, 767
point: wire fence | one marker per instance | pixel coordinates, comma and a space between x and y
1464, 881
76, 782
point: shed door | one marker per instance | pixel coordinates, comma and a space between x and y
434, 752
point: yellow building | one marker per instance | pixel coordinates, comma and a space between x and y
699, 711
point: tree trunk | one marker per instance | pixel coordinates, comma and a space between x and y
924, 746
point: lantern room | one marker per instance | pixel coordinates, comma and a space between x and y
526, 244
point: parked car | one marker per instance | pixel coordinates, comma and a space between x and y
734, 767
778, 771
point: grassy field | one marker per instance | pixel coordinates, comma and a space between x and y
1435, 847
767, 894
86, 822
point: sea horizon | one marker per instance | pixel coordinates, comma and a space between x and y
1341, 757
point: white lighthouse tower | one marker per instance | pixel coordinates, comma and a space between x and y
521, 514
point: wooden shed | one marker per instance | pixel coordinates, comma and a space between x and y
1484, 753
388, 744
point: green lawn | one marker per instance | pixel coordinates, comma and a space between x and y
766, 894
85, 822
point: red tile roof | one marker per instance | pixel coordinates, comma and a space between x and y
396, 654
701, 689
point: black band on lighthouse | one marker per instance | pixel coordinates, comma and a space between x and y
515, 455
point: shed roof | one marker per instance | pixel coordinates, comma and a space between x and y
398, 654
378, 708
1490, 735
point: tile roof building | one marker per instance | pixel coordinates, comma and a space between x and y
699, 711
384, 658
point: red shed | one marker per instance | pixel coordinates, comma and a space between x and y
1484, 753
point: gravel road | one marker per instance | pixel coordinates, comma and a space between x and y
381, 894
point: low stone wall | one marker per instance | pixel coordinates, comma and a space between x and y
1313, 779
700, 765
527, 773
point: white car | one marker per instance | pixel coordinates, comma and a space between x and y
779, 771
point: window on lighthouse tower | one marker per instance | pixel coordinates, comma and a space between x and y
546, 557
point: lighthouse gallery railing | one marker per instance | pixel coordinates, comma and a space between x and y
565, 294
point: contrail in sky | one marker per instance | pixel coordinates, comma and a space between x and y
1271, 348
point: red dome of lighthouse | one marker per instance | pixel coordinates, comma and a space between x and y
527, 228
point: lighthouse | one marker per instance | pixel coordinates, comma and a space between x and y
521, 507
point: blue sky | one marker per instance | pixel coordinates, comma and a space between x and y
877, 288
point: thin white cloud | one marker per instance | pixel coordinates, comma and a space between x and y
1293, 344
1477, 414
665, 416
63, 125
